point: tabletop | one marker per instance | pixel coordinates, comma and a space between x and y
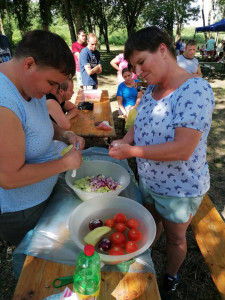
84, 123
36, 279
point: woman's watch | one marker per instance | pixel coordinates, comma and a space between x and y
64, 136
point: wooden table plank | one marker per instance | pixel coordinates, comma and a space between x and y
84, 123
37, 276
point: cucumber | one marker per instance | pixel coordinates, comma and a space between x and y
94, 236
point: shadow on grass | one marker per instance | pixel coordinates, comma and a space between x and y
216, 150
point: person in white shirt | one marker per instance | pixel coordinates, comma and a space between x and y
187, 61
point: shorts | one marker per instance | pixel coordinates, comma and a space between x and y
79, 79
15, 225
174, 209
211, 53
90, 87
127, 109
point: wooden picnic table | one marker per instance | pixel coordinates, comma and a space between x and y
84, 123
36, 279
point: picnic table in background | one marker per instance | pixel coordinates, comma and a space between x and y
85, 123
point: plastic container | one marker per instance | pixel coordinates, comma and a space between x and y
105, 208
87, 275
92, 95
93, 168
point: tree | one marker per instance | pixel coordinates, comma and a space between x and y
129, 12
183, 12
21, 10
67, 8
45, 13
211, 13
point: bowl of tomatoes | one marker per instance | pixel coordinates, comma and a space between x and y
120, 228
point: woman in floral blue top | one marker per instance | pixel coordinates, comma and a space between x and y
169, 141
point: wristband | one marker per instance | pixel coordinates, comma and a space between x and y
65, 133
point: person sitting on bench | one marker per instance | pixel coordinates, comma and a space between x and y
60, 109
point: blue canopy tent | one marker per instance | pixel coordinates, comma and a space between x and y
218, 26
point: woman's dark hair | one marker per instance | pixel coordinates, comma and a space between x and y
126, 70
48, 50
148, 39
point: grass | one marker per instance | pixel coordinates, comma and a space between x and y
196, 280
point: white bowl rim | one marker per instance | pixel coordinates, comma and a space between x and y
124, 257
68, 174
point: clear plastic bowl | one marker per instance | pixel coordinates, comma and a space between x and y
106, 208
96, 167
92, 95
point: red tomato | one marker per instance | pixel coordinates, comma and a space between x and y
109, 223
132, 223
121, 227
120, 218
134, 235
118, 238
131, 246
116, 250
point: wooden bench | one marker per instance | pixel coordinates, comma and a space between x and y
209, 230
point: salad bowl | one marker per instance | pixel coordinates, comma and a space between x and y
115, 175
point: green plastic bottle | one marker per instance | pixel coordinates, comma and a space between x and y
87, 275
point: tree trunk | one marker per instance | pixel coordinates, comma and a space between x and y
78, 17
178, 32
1, 26
69, 20
211, 13
203, 19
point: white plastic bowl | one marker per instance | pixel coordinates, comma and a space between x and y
92, 95
105, 208
96, 167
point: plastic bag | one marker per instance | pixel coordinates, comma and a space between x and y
130, 119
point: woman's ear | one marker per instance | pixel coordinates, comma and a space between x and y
162, 49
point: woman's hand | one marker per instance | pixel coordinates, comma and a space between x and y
116, 143
72, 160
74, 139
120, 151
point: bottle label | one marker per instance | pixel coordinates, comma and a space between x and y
89, 297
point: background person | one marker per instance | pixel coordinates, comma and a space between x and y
210, 46
128, 96
76, 49
119, 63
60, 109
29, 163
182, 47
5, 49
169, 141
90, 63
187, 61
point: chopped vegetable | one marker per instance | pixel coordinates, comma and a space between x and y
99, 183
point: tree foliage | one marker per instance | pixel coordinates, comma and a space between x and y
101, 16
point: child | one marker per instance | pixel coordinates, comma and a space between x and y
187, 61
128, 96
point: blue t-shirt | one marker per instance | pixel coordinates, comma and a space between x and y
89, 57
128, 94
190, 106
39, 146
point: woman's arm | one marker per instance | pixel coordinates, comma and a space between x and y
55, 110
139, 95
115, 63
14, 171
184, 144
121, 107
